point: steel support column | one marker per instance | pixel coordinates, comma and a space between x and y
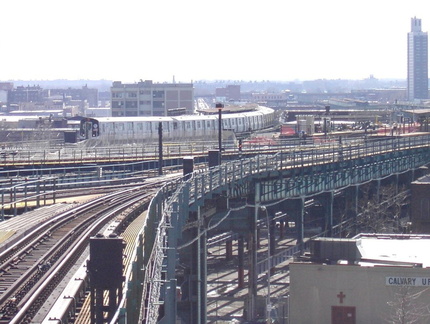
328, 213
272, 236
252, 272
241, 259
300, 219
229, 250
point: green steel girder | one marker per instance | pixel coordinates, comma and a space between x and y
270, 179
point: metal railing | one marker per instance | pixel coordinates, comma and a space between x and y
169, 209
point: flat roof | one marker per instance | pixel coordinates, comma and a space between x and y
394, 248
418, 111
374, 250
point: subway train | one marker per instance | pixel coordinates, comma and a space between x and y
175, 127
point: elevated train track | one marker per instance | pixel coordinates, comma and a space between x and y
33, 265
19, 309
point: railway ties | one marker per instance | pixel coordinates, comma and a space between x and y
38, 265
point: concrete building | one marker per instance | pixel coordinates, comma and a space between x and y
146, 98
273, 100
229, 93
25, 94
84, 93
417, 62
5, 87
369, 279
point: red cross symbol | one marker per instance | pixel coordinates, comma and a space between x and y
341, 296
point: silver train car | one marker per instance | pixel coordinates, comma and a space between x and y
179, 127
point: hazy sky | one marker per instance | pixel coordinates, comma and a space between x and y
129, 40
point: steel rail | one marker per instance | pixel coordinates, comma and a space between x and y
9, 301
27, 308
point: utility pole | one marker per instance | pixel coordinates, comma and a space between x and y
219, 106
160, 148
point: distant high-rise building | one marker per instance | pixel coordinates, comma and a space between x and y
417, 62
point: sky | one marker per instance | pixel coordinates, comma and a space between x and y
191, 40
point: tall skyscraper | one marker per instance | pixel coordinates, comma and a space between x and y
417, 62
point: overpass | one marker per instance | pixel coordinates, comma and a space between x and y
237, 196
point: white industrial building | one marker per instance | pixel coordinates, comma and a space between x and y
373, 278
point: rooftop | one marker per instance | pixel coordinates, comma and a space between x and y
374, 249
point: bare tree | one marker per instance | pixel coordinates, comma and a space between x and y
381, 212
407, 309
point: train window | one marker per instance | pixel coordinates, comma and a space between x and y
175, 125
188, 125
208, 124
198, 125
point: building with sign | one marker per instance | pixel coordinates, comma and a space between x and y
373, 278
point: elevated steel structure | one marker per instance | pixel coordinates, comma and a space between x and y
183, 212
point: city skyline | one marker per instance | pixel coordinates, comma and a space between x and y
195, 40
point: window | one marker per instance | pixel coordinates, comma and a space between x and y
131, 104
158, 94
158, 104
117, 104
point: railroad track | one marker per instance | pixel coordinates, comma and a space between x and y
32, 267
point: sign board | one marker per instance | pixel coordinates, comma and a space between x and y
408, 281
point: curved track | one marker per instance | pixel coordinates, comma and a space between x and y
32, 267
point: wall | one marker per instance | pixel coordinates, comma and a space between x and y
315, 289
